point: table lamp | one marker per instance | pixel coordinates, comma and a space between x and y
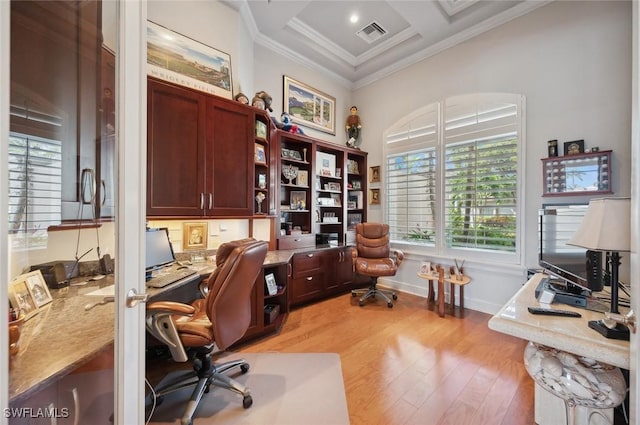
606, 227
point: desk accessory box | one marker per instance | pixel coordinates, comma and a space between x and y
271, 311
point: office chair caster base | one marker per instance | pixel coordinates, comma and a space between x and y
390, 305
244, 368
247, 401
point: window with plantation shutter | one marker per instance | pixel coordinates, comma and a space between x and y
457, 187
35, 189
411, 196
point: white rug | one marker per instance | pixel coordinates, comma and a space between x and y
287, 389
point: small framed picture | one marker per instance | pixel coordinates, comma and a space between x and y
195, 235
574, 147
260, 156
374, 196
303, 178
38, 288
261, 130
21, 299
272, 287
298, 200
374, 174
425, 267
333, 186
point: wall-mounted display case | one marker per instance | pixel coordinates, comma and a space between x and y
580, 174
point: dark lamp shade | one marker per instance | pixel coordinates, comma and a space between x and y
605, 226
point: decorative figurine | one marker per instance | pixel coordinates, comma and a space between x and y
353, 127
287, 125
242, 98
266, 100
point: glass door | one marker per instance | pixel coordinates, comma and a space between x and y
73, 238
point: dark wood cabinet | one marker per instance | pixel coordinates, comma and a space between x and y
176, 151
230, 158
200, 154
56, 86
263, 323
339, 266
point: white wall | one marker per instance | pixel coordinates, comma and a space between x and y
270, 67
572, 61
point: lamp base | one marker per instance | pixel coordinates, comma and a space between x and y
619, 332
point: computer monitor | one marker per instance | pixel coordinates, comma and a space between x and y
159, 252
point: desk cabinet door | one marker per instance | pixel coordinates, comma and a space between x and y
175, 150
229, 166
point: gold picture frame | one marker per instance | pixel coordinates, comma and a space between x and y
308, 106
38, 288
374, 196
21, 299
374, 174
195, 235
179, 59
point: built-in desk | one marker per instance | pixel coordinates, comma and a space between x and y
564, 333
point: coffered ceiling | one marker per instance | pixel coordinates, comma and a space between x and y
388, 35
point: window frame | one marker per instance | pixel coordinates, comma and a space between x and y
406, 143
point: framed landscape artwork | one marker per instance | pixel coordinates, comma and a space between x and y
309, 107
181, 60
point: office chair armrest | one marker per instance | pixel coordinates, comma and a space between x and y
399, 256
170, 307
160, 324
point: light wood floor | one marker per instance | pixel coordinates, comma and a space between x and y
406, 365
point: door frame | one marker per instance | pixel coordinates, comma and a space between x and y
130, 220
131, 89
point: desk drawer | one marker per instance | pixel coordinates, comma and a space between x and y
304, 263
307, 288
297, 241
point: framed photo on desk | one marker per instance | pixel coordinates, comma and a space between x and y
195, 235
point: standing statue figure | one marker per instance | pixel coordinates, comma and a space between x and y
353, 127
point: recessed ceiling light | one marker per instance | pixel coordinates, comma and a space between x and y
354, 18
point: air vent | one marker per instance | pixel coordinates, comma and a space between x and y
371, 32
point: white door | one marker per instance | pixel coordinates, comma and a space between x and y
124, 29
634, 256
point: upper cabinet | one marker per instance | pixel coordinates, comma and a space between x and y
201, 154
579, 174
58, 77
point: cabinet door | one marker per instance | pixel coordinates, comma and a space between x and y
175, 151
339, 267
230, 129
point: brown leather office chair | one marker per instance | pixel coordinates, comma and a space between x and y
211, 325
373, 257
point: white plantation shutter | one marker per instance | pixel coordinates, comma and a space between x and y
452, 181
411, 195
35, 188
411, 177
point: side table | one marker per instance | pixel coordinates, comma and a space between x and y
453, 282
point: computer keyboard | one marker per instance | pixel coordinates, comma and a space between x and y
169, 277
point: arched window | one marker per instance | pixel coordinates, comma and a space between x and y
452, 176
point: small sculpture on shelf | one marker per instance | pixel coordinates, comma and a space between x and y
290, 172
262, 100
353, 127
259, 198
242, 98
287, 124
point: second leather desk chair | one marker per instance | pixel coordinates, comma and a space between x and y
373, 257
